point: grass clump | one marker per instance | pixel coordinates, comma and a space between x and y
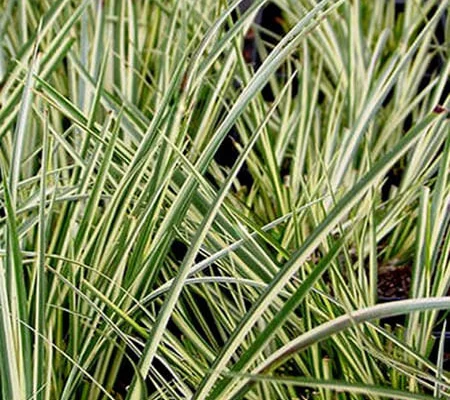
171, 231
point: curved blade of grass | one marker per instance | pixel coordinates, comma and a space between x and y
343, 322
337, 386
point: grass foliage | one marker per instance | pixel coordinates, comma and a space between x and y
133, 265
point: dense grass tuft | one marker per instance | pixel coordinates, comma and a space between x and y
194, 206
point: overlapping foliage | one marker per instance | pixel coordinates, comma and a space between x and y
134, 265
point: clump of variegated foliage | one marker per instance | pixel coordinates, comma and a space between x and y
133, 265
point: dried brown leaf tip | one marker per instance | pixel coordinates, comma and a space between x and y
441, 110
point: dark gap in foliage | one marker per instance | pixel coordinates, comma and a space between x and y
192, 298
227, 155
178, 250
66, 123
129, 361
393, 179
125, 375
269, 27
437, 333
290, 369
205, 326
